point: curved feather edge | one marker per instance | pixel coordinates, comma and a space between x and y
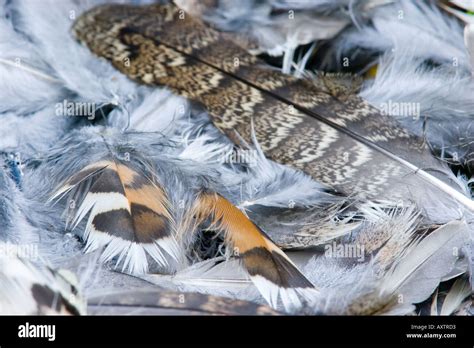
128, 215
272, 272
456, 295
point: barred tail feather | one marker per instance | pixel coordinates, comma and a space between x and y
271, 271
128, 215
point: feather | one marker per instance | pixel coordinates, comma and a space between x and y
349, 282
298, 228
29, 88
152, 111
217, 276
93, 83
397, 271
26, 225
282, 188
469, 42
265, 23
407, 24
28, 138
434, 304
15, 227
417, 273
386, 231
159, 302
128, 213
269, 31
272, 272
455, 296
295, 210
182, 153
27, 82
378, 151
402, 79
169, 186
34, 289
461, 9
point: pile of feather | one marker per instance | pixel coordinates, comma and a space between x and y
120, 198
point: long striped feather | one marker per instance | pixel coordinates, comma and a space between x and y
338, 140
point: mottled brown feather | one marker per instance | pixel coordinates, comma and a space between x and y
297, 122
145, 219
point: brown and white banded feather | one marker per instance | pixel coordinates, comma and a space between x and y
128, 214
272, 272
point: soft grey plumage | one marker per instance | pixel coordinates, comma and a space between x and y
403, 253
